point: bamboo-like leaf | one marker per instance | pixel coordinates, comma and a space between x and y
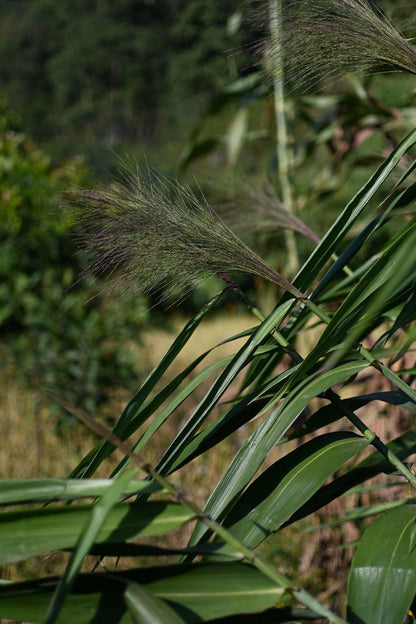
252, 454
330, 413
356, 244
151, 406
240, 360
198, 593
164, 414
90, 463
354, 209
87, 537
250, 406
395, 270
284, 487
403, 447
361, 305
14, 491
31, 532
382, 580
358, 513
145, 608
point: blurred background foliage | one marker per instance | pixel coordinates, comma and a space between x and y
54, 331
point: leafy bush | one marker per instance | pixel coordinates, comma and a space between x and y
56, 333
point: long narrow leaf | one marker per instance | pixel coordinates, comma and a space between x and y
288, 484
27, 533
241, 359
14, 491
87, 537
145, 608
355, 208
250, 457
382, 580
403, 447
200, 592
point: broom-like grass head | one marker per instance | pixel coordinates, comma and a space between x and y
323, 39
149, 235
251, 210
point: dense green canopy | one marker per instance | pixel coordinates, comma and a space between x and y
106, 70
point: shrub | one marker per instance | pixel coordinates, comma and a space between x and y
56, 333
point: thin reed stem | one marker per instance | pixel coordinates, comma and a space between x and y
282, 142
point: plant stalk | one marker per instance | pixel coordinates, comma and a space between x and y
282, 142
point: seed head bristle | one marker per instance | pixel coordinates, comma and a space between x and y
151, 235
323, 39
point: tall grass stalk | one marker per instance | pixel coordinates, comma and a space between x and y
282, 140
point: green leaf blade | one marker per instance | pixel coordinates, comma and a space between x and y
24, 534
263, 508
145, 608
382, 580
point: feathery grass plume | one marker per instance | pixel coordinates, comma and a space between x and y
152, 235
253, 211
323, 39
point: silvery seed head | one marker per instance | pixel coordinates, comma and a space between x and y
323, 39
149, 235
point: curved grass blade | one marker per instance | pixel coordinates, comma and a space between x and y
90, 463
354, 209
252, 454
331, 413
240, 360
249, 407
356, 244
403, 447
382, 579
15, 491
406, 316
284, 487
93, 525
361, 305
198, 593
31, 532
145, 608
177, 400
358, 513
392, 273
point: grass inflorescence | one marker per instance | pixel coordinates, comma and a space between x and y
323, 39
152, 235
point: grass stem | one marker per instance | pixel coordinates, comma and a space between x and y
282, 141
